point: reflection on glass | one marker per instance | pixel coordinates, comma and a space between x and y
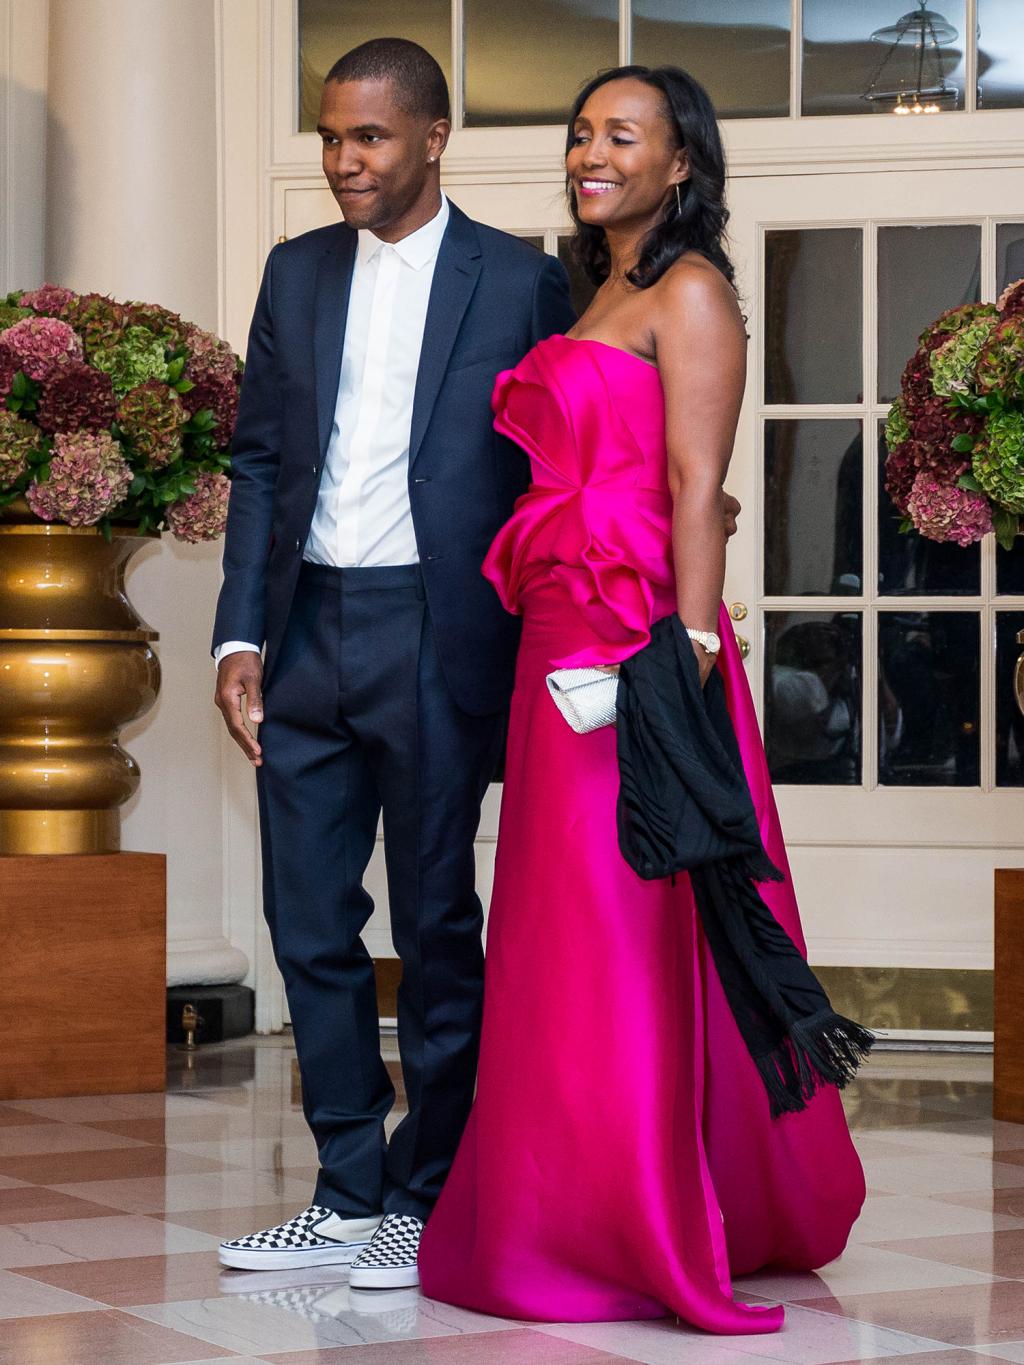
812, 511
812, 353
910, 565
1009, 721
922, 271
580, 288
1000, 55
928, 670
812, 711
526, 61
1010, 570
330, 28
1009, 254
848, 71
739, 52
537, 242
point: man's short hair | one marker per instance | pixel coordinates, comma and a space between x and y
419, 83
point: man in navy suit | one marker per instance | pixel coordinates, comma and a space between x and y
368, 484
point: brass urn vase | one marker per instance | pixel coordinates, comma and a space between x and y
76, 664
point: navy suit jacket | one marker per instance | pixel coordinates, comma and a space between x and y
493, 296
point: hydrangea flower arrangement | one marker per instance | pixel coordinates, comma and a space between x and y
114, 413
955, 435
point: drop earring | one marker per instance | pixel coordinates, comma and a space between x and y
679, 202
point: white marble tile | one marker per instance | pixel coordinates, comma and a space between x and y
176, 1193
889, 1217
94, 1108
288, 1320
1002, 1350
961, 1135
860, 1270
296, 1148
95, 1239
940, 1173
807, 1338
24, 1298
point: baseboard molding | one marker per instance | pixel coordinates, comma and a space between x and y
938, 1001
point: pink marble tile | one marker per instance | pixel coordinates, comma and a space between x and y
108, 1336
60, 1168
37, 1139
954, 1356
121, 1282
215, 1189
996, 1253
34, 1204
525, 1347
959, 1315
11, 1117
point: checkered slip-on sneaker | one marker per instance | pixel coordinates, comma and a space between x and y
389, 1262
317, 1236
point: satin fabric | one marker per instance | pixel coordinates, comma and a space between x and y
619, 1161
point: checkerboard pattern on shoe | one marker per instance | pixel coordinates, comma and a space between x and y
389, 1262
317, 1236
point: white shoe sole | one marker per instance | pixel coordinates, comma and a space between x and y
384, 1277
238, 1258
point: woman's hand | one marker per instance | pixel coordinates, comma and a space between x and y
705, 661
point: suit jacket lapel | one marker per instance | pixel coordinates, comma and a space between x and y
455, 277
333, 285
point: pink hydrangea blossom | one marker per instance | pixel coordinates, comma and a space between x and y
51, 299
203, 515
208, 355
40, 345
88, 478
943, 512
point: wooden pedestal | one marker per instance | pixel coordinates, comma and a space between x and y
1008, 1070
82, 974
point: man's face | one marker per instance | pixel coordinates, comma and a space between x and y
376, 157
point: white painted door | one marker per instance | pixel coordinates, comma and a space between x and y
882, 664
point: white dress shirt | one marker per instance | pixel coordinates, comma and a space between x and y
363, 517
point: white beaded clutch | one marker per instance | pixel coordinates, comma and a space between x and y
585, 697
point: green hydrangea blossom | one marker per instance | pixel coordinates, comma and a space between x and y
897, 428
138, 356
998, 462
17, 440
954, 362
10, 313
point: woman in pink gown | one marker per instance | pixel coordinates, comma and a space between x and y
620, 1161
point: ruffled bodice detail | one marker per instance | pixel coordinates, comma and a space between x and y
597, 516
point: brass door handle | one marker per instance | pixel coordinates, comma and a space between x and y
1018, 675
738, 611
744, 646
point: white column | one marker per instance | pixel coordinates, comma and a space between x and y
132, 195
23, 25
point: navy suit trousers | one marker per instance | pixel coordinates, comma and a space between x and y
359, 720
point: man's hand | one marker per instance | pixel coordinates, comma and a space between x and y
241, 675
732, 509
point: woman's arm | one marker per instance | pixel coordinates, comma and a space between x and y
700, 343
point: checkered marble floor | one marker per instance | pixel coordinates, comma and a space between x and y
111, 1209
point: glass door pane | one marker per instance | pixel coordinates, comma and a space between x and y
738, 52
812, 697
525, 62
922, 271
330, 28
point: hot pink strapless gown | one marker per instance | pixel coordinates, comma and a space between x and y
619, 1161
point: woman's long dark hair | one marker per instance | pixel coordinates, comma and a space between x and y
699, 222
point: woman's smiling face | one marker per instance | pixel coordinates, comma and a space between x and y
624, 160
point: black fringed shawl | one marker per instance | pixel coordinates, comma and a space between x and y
684, 806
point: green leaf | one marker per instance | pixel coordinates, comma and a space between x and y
184, 385
174, 369
144, 522
138, 484
1006, 525
963, 443
969, 482
106, 531
19, 384
43, 473
906, 526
